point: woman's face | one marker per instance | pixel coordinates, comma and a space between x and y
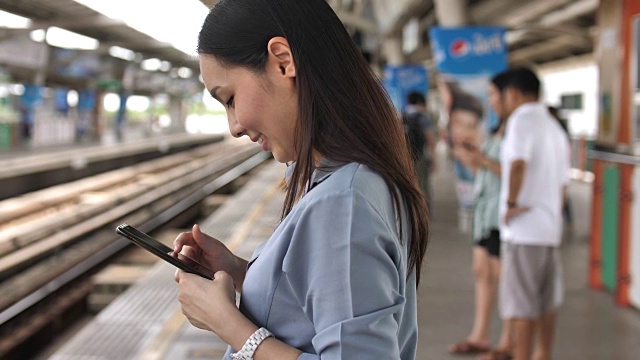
263, 107
464, 125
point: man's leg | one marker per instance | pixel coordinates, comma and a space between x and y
520, 299
545, 335
506, 336
523, 341
553, 295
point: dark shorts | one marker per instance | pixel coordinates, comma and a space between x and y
491, 243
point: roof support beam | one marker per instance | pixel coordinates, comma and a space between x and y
359, 22
99, 21
411, 9
554, 45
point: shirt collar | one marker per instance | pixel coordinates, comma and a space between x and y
526, 106
325, 168
320, 174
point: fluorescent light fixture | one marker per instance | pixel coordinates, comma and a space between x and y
13, 21
152, 64
122, 53
70, 40
185, 17
16, 89
37, 35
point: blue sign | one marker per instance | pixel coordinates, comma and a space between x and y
28, 101
402, 80
87, 99
469, 50
60, 101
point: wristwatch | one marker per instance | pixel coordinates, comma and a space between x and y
249, 347
512, 204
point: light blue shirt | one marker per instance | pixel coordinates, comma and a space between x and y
487, 190
332, 279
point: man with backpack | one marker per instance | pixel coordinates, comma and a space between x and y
419, 131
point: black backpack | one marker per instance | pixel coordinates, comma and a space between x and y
414, 134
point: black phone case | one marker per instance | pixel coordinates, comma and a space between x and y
162, 251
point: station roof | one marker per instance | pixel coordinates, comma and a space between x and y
539, 31
73, 16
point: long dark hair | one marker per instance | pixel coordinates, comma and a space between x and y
344, 113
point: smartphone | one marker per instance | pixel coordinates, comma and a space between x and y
164, 252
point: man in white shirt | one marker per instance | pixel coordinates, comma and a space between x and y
535, 163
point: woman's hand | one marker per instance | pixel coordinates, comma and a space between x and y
210, 305
207, 304
211, 253
467, 155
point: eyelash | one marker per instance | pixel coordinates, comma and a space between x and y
230, 102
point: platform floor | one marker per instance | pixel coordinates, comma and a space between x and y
590, 326
146, 323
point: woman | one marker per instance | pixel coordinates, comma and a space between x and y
337, 279
486, 234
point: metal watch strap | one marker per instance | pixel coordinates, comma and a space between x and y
249, 347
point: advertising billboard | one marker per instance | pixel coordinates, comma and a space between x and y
466, 59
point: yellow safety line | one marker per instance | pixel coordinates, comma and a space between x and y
158, 347
245, 228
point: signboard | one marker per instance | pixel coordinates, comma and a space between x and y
469, 50
466, 60
401, 80
23, 52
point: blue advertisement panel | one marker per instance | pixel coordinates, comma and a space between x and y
466, 59
401, 80
469, 50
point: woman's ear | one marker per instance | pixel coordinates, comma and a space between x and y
280, 57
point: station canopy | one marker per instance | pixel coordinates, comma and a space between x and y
538, 31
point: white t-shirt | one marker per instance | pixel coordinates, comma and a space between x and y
534, 136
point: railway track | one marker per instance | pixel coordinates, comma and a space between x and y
50, 240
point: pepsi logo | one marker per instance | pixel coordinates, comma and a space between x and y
459, 48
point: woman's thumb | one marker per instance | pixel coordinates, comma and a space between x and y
198, 236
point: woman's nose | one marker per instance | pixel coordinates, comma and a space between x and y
235, 129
